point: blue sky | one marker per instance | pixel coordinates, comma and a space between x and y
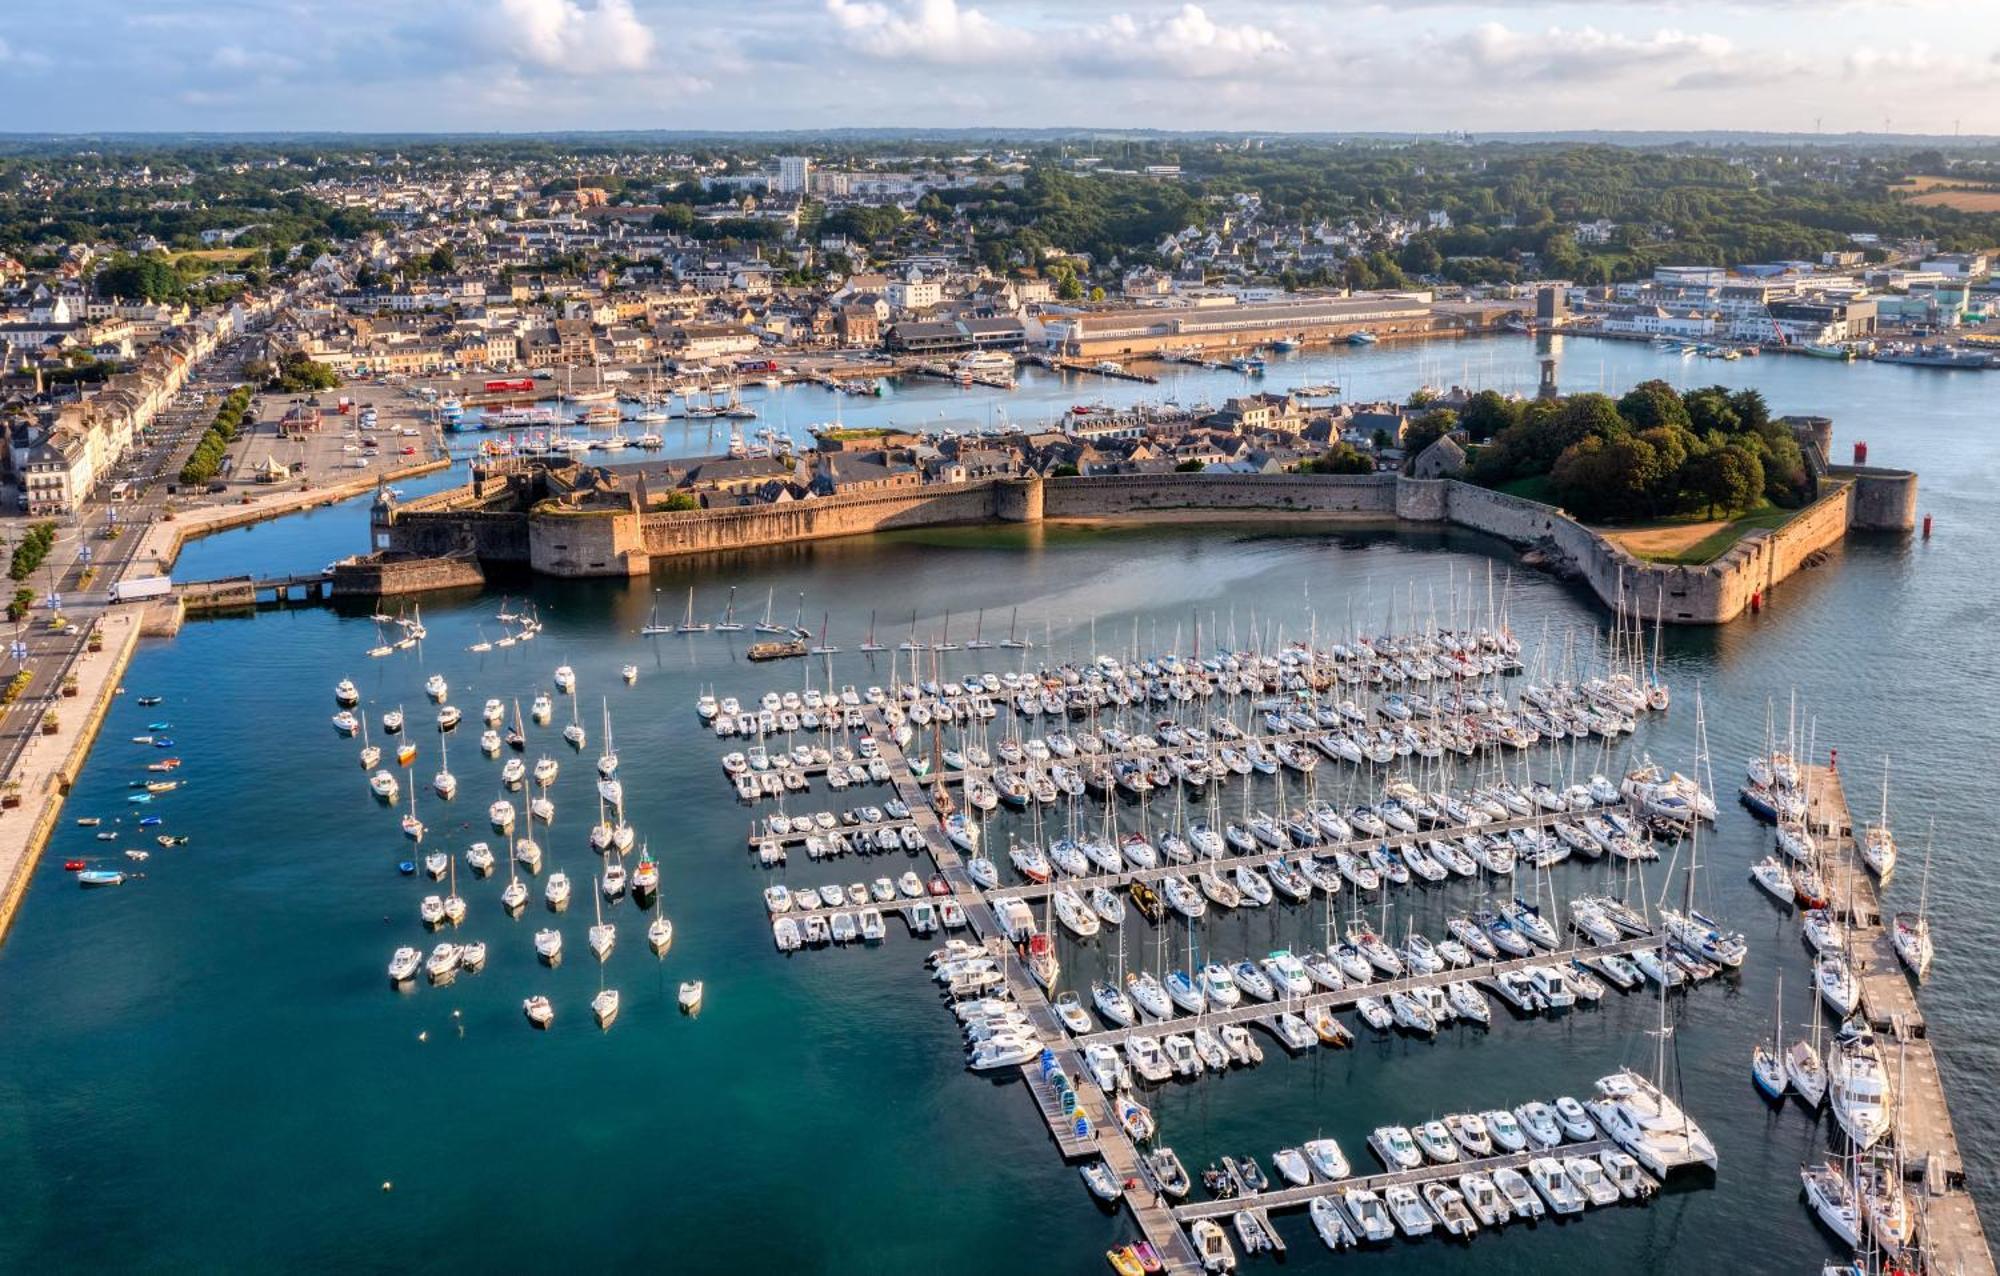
502, 65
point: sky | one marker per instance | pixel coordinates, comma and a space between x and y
1906, 66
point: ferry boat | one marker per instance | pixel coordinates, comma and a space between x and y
599, 414
518, 419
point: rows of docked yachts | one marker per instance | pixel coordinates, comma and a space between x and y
1839, 1065
1165, 736
522, 816
1456, 1174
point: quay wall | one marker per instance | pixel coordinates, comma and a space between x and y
387, 576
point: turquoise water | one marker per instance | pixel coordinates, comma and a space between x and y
211, 1063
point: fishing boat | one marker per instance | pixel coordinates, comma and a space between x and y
540, 1013
91, 877
690, 996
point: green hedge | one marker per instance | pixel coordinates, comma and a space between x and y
206, 460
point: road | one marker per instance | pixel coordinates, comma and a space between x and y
104, 535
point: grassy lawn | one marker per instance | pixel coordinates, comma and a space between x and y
1691, 540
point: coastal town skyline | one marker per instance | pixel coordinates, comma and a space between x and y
547, 65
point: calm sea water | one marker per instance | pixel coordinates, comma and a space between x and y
206, 1068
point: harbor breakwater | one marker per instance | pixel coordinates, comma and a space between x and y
513, 520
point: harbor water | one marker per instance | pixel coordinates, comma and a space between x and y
206, 1067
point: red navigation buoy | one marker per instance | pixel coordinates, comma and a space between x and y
1860, 452
1756, 601
1927, 527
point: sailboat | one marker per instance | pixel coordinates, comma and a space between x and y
869, 644
653, 627
729, 624
1878, 844
1912, 935
1767, 1069
660, 932
607, 764
603, 935
689, 625
515, 897
370, 754
517, 735
977, 643
1011, 641
822, 647
574, 732
766, 625
413, 828
444, 782
1805, 1067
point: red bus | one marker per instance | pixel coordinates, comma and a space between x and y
522, 385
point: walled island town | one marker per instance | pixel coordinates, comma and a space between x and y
1222, 671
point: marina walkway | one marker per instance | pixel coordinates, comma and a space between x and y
1106, 1138
1297, 1197
1924, 1131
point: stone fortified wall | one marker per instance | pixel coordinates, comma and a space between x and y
609, 542
1122, 495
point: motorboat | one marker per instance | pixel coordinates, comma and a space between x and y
1448, 1205
1408, 1209
1370, 1216
1396, 1147
1589, 1178
1435, 1142
1552, 1183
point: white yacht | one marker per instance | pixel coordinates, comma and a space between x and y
1858, 1081
1640, 1118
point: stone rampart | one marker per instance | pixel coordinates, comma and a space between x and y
1115, 495
705, 531
566, 542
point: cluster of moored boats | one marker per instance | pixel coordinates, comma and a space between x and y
1455, 1174
522, 855
162, 778
1858, 1195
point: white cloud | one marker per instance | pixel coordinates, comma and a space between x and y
924, 31
1186, 42
1582, 53
571, 36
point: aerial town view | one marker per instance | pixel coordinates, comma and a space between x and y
900, 636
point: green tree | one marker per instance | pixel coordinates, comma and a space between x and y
1193, 465
1068, 286
148, 278
1652, 403
1341, 458
1487, 413
441, 261
1726, 480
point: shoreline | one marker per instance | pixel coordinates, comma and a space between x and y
50, 764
